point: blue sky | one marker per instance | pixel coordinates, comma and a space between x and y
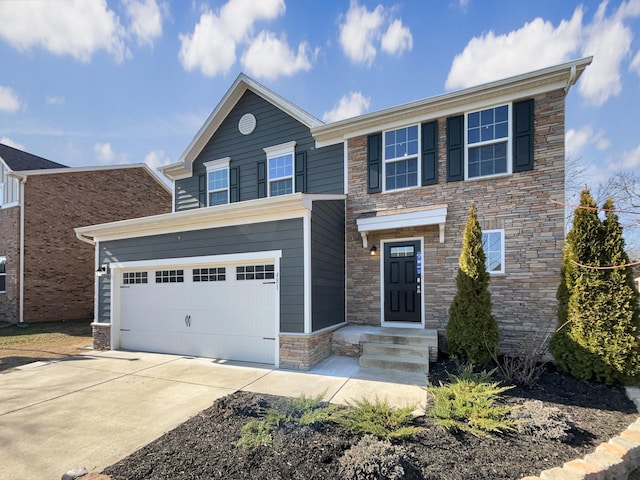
127, 81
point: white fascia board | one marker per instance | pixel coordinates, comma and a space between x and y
436, 215
183, 167
241, 213
478, 97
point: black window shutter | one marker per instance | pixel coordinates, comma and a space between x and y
234, 185
301, 172
523, 135
202, 191
455, 148
262, 179
374, 163
430, 153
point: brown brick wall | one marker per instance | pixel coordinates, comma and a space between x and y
9, 247
524, 298
59, 268
302, 352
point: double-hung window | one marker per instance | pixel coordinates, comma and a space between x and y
401, 149
488, 138
280, 166
3, 274
218, 181
493, 246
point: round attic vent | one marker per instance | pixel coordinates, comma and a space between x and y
247, 124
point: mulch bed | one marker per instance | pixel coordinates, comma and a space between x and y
204, 447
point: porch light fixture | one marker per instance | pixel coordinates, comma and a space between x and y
373, 250
103, 270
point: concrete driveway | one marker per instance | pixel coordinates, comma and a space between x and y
94, 410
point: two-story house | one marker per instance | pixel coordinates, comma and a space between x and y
285, 229
45, 273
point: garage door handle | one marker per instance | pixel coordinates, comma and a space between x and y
268, 338
187, 320
268, 283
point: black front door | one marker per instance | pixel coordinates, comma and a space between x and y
402, 282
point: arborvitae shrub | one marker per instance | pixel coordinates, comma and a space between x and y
596, 338
472, 332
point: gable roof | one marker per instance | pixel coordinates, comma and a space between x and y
17, 160
561, 76
182, 168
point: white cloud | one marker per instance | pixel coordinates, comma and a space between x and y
463, 4
361, 34
156, 158
539, 44
9, 101
397, 38
360, 31
635, 64
270, 57
577, 140
107, 156
146, 20
629, 160
211, 47
350, 105
78, 28
10, 143
53, 100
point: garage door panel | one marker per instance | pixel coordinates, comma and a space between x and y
215, 316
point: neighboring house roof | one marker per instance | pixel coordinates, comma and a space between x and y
513, 88
19, 160
52, 171
182, 168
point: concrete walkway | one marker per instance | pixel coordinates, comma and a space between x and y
94, 410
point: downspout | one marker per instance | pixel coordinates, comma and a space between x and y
23, 182
571, 80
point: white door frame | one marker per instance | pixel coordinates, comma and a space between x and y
382, 299
116, 281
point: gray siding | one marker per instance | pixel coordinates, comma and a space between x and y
285, 235
325, 166
327, 263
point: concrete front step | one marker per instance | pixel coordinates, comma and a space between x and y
408, 364
397, 350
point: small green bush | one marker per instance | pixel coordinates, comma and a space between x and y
467, 404
535, 419
310, 410
378, 418
258, 432
373, 459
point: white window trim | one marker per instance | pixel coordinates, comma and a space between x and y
214, 166
491, 142
502, 249
418, 157
288, 148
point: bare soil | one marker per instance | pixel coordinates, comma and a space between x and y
204, 447
42, 342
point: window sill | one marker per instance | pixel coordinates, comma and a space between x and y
488, 177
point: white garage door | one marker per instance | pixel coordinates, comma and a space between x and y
217, 311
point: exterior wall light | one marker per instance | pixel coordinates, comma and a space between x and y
373, 250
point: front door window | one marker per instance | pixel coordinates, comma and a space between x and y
402, 282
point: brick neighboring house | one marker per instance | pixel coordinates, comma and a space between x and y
355, 222
47, 274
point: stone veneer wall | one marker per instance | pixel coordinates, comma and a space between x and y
59, 268
101, 336
523, 299
302, 352
10, 248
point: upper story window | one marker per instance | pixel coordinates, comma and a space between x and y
401, 149
493, 246
488, 142
218, 181
280, 169
3, 274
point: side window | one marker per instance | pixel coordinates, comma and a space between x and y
3, 274
218, 182
493, 246
401, 149
488, 141
280, 168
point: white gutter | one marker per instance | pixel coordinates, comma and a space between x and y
23, 182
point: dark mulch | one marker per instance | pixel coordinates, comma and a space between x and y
205, 446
